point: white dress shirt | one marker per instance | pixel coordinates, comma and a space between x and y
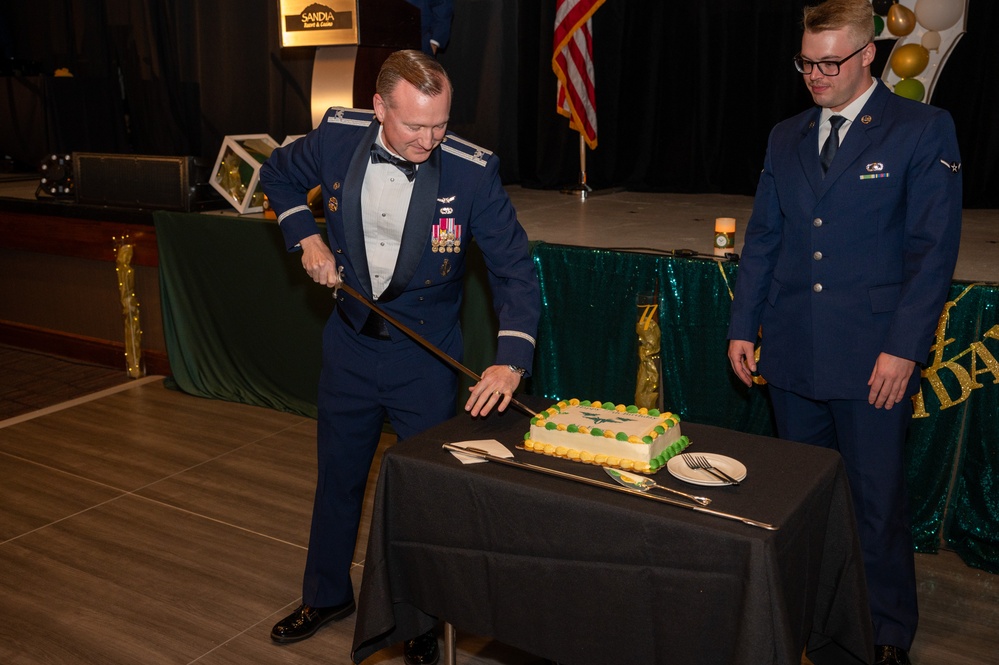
849, 112
385, 195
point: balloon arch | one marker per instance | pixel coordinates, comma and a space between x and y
926, 32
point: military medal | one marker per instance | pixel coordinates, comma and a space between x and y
445, 267
446, 236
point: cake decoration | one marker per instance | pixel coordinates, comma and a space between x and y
607, 434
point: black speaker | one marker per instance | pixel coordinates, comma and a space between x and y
135, 181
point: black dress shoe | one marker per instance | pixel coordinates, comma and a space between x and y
422, 651
305, 621
885, 654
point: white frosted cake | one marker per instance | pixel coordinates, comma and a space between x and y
624, 437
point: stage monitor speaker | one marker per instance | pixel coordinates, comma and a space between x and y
134, 181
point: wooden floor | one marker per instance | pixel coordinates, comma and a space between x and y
147, 526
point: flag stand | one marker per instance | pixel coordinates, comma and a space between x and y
581, 188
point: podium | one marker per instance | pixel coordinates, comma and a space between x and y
352, 39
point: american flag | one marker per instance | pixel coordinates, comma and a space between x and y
573, 65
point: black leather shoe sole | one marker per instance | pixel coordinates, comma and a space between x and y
305, 621
422, 651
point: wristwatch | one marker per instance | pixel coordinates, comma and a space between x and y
517, 370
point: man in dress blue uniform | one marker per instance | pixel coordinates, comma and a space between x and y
403, 198
846, 267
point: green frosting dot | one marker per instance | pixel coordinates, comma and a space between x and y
659, 429
596, 431
654, 463
534, 421
632, 409
676, 447
572, 429
653, 412
662, 457
557, 407
551, 426
646, 439
610, 406
527, 435
621, 436
585, 402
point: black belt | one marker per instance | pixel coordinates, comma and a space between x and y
374, 326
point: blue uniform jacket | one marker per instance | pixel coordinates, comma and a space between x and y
459, 182
838, 269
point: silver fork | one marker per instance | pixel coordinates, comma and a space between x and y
701, 462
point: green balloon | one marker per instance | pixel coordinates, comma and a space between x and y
910, 89
879, 25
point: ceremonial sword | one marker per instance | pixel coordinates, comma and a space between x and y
416, 337
482, 454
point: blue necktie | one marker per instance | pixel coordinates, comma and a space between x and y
832, 142
380, 155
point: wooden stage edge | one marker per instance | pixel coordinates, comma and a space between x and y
101, 352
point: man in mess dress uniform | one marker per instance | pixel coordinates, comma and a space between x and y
403, 199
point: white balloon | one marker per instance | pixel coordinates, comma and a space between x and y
938, 14
931, 40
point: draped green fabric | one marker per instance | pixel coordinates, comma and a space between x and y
954, 449
587, 349
242, 320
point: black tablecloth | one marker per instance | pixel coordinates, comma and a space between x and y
587, 576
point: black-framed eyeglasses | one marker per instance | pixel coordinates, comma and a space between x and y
827, 67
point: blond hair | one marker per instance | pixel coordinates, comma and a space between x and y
856, 15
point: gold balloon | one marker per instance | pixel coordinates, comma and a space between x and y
901, 20
909, 60
931, 40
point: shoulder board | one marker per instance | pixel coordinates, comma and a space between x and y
356, 117
464, 149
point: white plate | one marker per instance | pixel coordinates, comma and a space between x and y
733, 467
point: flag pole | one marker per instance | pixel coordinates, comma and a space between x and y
581, 188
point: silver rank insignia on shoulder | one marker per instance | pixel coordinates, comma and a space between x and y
445, 267
955, 167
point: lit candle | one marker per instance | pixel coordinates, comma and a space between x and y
724, 235
725, 225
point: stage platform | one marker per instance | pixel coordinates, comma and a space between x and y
623, 220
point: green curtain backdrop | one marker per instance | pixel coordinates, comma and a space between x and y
243, 323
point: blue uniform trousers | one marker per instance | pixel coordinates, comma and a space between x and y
871, 442
363, 380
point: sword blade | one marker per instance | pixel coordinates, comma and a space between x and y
416, 337
476, 452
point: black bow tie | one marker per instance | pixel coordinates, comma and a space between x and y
380, 155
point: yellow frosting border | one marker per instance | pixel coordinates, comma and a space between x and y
586, 457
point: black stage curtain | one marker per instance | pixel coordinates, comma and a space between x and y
686, 92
